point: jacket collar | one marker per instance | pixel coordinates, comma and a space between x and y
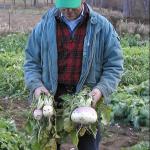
93, 16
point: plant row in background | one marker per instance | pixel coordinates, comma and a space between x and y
10, 138
11, 66
130, 105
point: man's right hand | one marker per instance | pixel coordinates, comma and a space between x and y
40, 90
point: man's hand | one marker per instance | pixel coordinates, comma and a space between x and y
40, 90
96, 95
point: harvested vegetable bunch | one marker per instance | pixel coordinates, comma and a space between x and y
42, 124
53, 125
79, 117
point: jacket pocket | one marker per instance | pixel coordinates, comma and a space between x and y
94, 74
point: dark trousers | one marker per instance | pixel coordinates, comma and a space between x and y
87, 141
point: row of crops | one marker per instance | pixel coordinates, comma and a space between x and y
129, 104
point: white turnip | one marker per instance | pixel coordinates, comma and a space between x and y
37, 114
84, 115
48, 111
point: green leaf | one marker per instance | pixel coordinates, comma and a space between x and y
60, 125
68, 125
66, 97
74, 137
82, 131
104, 111
51, 145
93, 129
36, 146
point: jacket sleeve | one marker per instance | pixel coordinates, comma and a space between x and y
32, 65
112, 63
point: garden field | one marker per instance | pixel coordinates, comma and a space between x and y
128, 129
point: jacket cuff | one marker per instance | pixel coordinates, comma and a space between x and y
35, 85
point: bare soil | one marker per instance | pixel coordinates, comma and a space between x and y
18, 21
115, 137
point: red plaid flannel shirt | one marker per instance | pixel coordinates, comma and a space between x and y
70, 51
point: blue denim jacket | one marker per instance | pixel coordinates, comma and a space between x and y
102, 65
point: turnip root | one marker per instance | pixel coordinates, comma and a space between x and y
48, 111
84, 115
37, 114
49, 127
40, 103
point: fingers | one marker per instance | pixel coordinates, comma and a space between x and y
96, 95
94, 102
40, 90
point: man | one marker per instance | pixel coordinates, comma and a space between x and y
70, 47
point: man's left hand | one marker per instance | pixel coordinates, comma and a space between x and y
96, 95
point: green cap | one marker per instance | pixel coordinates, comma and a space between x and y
68, 3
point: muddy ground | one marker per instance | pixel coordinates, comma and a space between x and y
115, 137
